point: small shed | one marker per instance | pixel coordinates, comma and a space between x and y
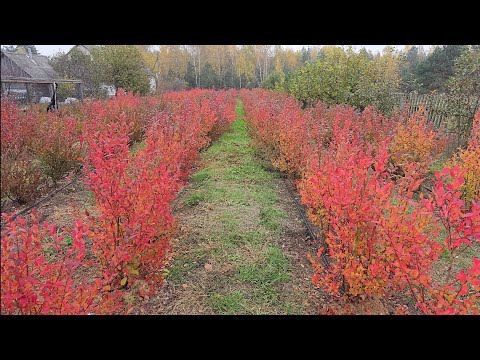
28, 77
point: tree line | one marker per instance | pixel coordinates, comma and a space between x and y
331, 73
177, 67
358, 78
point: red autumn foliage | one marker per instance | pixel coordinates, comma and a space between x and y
416, 141
131, 223
37, 146
20, 173
38, 271
380, 237
133, 192
468, 160
57, 145
132, 216
459, 293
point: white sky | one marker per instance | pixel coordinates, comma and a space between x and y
53, 49
50, 50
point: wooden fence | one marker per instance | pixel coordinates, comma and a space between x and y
453, 114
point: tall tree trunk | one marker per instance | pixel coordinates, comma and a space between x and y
195, 70
199, 69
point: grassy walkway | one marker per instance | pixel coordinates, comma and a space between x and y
240, 245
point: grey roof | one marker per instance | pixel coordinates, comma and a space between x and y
37, 68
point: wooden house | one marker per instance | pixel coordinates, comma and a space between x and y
27, 66
28, 78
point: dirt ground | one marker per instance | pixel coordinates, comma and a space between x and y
58, 209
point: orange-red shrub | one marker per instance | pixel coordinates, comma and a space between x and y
380, 237
38, 271
469, 161
416, 141
131, 222
132, 216
20, 172
58, 145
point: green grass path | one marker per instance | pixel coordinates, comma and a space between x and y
228, 259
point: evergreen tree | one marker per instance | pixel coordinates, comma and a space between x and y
433, 73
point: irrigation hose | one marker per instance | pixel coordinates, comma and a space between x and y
306, 222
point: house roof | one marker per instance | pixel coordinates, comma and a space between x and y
37, 67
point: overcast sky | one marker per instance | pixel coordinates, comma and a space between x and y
53, 49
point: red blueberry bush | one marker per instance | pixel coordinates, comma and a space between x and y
58, 145
131, 222
469, 161
38, 271
132, 218
134, 191
20, 171
382, 236
416, 141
